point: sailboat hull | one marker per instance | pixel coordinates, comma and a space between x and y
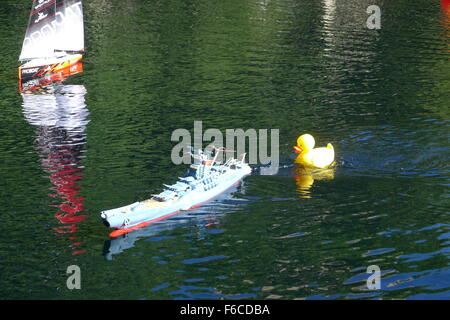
39, 72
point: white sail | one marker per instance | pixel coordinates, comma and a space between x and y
53, 25
69, 26
39, 37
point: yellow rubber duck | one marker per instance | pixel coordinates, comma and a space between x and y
310, 157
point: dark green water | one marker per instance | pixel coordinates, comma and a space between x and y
381, 97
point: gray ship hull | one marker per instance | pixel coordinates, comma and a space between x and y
149, 211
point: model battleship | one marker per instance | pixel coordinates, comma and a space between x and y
205, 180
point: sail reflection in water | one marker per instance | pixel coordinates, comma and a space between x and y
61, 118
200, 220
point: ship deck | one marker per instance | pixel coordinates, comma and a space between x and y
154, 204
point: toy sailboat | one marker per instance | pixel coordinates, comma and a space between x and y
54, 41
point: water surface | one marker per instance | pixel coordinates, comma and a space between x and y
102, 140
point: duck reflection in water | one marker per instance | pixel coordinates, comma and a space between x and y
305, 177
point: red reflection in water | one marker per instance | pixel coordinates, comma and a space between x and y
60, 114
65, 175
445, 8
445, 3
65, 180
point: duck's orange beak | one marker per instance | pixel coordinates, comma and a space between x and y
297, 149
